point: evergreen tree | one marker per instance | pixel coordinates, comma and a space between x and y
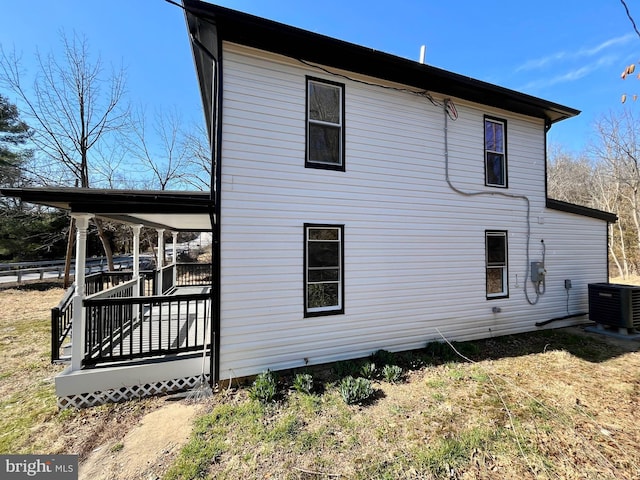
14, 134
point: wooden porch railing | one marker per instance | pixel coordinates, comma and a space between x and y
61, 316
193, 274
166, 277
120, 329
110, 283
101, 281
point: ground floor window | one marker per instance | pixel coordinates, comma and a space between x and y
496, 264
323, 265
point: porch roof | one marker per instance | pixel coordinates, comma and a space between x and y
171, 210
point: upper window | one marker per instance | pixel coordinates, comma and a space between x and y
325, 124
495, 152
496, 264
323, 270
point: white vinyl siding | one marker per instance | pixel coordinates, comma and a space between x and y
415, 260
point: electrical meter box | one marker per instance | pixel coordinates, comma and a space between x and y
537, 272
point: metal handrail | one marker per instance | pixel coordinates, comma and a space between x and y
120, 329
61, 316
117, 291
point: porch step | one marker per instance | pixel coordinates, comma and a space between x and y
63, 360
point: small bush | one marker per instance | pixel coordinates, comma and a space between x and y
382, 357
468, 349
355, 390
368, 370
263, 388
345, 368
440, 351
303, 383
392, 373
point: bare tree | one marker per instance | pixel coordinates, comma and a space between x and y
196, 144
165, 151
629, 69
72, 105
618, 152
569, 177
606, 195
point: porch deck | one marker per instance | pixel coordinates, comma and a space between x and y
137, 345
157, 326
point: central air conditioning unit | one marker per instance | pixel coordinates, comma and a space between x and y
615, 305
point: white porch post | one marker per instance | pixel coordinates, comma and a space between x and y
174, 236
78, 322
160, 260
136, 255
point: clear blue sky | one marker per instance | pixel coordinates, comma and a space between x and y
568, 51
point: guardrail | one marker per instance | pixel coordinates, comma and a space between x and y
40, 268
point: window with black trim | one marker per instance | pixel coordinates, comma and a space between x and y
495, 152
323, 265
496, 264
325, 124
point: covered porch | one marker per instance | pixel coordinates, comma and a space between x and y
132, 333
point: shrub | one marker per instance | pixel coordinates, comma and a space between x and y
355, 390
263, 388
382, 357
303, 383
368, 370
392, 373
345, 368
440, 351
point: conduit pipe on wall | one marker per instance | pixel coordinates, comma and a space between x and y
448, 107
546, 322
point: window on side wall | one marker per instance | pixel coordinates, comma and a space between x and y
496, 264
324, 265
325, 125
495, 152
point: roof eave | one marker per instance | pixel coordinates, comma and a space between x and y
252, 31
127, 206
581, 210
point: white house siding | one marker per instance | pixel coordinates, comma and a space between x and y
414, 249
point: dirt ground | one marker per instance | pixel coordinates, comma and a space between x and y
147, 449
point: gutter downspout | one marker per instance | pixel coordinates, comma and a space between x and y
216, 181
215, 135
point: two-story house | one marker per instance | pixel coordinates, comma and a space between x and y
366, 201
360, 201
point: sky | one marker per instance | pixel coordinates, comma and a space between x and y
571, 52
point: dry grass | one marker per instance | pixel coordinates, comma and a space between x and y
631, 280
554, 404
546, 405
30, 420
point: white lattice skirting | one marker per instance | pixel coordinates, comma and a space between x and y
84, 400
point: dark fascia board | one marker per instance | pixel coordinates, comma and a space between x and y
100, 201
580, 210
252, 31
205, 34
